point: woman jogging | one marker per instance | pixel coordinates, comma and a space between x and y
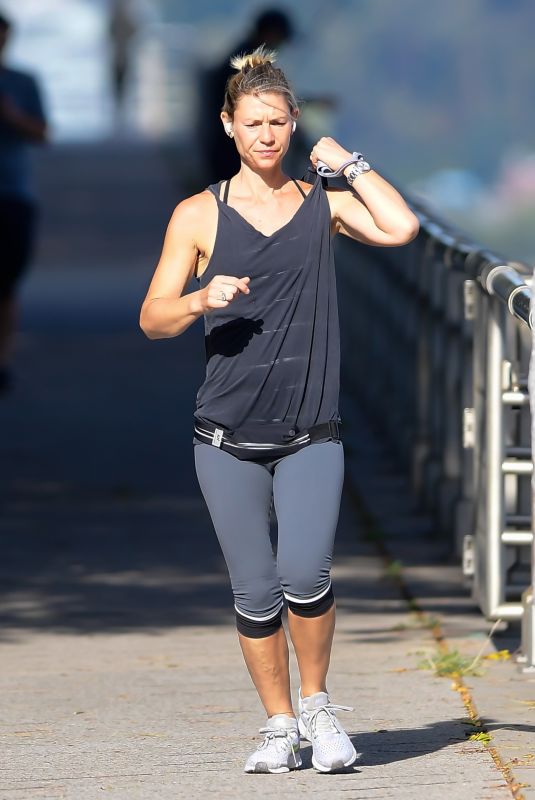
266, 418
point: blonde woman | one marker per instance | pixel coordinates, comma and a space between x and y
266, 418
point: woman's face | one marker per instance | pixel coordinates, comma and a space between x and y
262, 127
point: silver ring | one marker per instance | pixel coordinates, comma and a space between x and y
222, 296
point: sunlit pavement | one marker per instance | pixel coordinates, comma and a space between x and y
121, 674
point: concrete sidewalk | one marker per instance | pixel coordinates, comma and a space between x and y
121, 675
121, 672
499, 700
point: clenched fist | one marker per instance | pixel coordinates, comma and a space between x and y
221, 291
330, 152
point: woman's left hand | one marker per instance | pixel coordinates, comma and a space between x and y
330, 152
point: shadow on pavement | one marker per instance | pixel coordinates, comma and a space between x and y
103, 564
103, 526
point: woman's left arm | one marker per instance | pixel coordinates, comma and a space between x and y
374, 212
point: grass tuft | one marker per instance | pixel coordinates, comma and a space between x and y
449, 664
394, 569
480, 736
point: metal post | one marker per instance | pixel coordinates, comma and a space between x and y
527, 647
495, 516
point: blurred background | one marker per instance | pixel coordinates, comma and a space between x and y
96, 420
103, 530
439, 94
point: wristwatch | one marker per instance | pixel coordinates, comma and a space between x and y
357, 169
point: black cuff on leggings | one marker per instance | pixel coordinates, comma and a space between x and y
257, 629
314, 609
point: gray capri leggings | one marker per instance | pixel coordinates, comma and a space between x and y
305, 488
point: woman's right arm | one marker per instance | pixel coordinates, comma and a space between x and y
166, 311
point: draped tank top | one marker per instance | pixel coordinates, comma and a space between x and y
273, 356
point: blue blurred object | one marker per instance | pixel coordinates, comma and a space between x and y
450, 189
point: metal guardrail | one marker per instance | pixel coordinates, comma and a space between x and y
438, 351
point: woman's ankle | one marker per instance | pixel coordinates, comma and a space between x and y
306, 690
276, 713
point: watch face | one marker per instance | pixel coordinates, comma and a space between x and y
357, 169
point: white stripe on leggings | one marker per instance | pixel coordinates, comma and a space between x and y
258, 619
308, 599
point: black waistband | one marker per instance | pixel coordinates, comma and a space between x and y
219, 437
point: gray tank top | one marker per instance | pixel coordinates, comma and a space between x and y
273, 356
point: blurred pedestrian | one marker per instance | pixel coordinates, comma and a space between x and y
123, 28
22, 123
266, 419
272, 28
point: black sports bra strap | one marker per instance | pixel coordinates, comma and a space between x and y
302, 192
227, 187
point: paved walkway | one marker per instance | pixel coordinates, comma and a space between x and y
120, 672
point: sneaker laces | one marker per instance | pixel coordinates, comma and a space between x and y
325, 722
272, 733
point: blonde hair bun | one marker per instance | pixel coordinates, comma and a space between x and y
246, 61
256, 75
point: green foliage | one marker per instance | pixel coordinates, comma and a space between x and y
480, 736
394, 569
438, 86
450, 664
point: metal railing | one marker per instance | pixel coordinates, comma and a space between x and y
441, 330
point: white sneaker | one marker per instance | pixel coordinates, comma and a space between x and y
279, 752
331, 746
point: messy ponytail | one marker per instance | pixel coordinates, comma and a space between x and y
257, 58
256, 74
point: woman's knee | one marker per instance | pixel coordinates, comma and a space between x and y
309, 598
258, 605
